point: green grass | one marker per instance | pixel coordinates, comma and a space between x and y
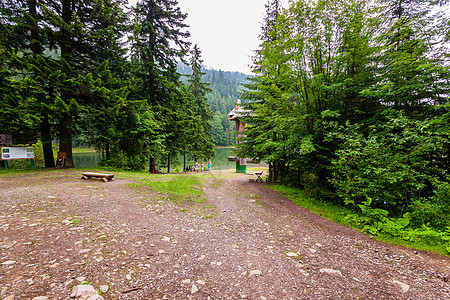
324, 209
178, 188
19, 172
338, 214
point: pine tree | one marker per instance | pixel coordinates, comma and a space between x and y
201, 134
22, 41
411, 72
63, 46
263, 92
80, 30
159, 39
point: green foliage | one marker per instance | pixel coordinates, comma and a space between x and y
349, 101
390, 168
60, 61
198, 141
374, 221
325, 209
434, 211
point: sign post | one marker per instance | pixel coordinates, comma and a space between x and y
17, 152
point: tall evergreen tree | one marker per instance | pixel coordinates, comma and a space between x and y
304, 72
63, 46
411, 73
159, 39
202, 144
263, 93
80, 30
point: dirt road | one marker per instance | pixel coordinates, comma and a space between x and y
243, 242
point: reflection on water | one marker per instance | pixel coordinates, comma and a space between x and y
86, 159
219, 161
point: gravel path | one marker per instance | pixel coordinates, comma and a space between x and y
243, 242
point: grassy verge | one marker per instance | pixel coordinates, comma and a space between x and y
177, 188
427, 240
323, 209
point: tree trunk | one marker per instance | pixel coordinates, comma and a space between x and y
184, 161
46, 138
152, 164
168, 163
65, 43
107, 150
271, 175
65, 140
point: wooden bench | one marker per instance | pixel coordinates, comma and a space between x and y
103, 177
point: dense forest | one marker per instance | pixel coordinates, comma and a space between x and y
106, 71
350, 101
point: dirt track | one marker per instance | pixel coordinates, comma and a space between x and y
243, 242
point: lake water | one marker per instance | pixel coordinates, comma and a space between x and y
219, 161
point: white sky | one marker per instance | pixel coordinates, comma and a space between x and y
226, 31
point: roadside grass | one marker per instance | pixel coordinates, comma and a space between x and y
339, 215
175, 187
300, 197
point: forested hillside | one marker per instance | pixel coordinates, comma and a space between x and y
225, 86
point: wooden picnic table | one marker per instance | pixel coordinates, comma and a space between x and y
258, 176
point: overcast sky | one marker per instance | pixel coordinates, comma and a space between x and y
226, 31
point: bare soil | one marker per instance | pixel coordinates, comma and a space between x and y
243, 242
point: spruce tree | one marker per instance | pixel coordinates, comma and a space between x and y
202, 145
159, 39
80, 30
63, 47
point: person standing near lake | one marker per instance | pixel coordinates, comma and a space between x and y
196, 166
202, 166
209, 165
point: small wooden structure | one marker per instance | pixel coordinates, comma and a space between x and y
62, 156
235, 115
103, 177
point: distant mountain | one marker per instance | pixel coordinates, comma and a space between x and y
225, 86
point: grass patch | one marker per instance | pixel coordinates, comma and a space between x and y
217, 183
323, 209
339, 214
177, 188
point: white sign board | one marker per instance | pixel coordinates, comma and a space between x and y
16, 153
